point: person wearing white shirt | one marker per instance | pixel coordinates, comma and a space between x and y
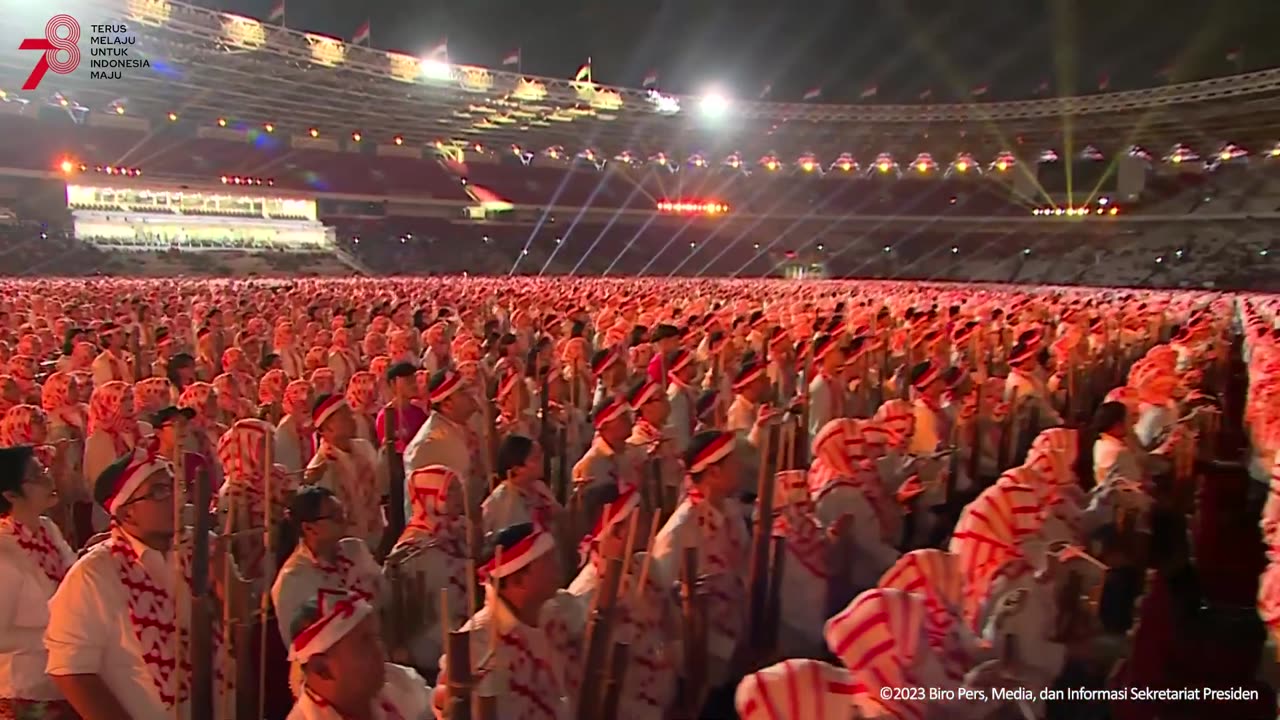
33, 560
118, 617
444, 439
326, 557
344, 666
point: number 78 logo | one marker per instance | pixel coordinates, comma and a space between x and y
53, 44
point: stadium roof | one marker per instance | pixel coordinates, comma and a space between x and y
206, 65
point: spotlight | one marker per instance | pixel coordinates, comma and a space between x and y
1114, 211
355, 136
435, 69
954, 250
820, 247
1103, 201
269, 127
313, 133
66, 167
173, 117
119, 109
398, 140
222, 122
714, 105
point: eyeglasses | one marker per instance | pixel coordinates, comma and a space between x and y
159, 491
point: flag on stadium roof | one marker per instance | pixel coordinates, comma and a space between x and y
362, 34
441, 51
764, 92
277, 13
1042, 88
511, 58
870, 92
584, 72
650, 79
980, 90
926, 94
813, 93
1104, 81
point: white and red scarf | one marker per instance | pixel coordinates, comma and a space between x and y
339, 575
38, 545
153, 615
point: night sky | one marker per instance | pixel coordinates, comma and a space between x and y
903, 47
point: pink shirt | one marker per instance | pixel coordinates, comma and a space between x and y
408, 421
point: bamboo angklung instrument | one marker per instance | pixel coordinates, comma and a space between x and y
179, 527
545, 427
395, 475
486, 705
598, 636
200, 645
611, 698
975, 439
694, 638
758, 582
459, 679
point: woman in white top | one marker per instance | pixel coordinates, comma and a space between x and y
33, 560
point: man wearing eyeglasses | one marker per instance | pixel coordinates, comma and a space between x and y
117, 619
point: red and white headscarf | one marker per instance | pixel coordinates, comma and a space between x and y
988, 535
271, 387
362, 392
878, 638
324, 381
935, 576
58, 401
1053, 455
796, 689
111, 412
898, 419
20, 424
297, 401
152, 394
199, 397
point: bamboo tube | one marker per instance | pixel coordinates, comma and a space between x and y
642, 583
693, 636
758, 582
597, 639
611, 697
773, 602
458, 679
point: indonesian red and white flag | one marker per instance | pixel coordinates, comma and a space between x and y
511, 58
362, 34
813, 94
277, 12
870, 92
650, 79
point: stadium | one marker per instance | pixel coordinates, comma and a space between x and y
532, 175
911, 360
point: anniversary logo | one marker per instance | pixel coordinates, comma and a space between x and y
112, 50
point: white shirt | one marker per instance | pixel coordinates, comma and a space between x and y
24, 614
404, 691
90, 632
440, 441
300, 580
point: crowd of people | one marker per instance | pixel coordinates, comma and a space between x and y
549, 498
